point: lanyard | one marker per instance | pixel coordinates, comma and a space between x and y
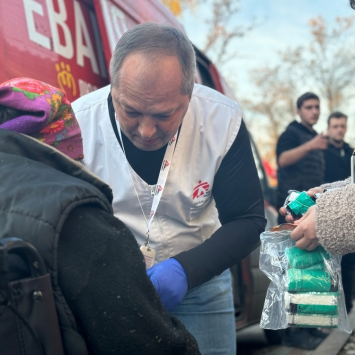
159, 187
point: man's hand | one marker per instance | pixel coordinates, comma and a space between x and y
311, 192
170, 281
318, 142
292, 156
288, 217
305, 233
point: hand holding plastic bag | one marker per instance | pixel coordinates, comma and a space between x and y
305, 234
305, 289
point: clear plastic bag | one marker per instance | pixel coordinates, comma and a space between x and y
306, 288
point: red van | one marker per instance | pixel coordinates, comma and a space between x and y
69, 43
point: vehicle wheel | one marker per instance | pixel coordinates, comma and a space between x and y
274, 337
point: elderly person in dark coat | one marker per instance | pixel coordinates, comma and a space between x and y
58, 206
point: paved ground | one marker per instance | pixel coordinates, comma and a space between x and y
252, 341
349, 348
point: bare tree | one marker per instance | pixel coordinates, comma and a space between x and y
326, 65
272, 107
330, 60
221, 30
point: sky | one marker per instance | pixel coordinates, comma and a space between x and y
281, 24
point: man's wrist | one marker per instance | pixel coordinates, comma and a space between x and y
307, 146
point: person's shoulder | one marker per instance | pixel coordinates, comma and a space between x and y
348, 147
213, 97
89, 100
288, 139
293, 126
291, 130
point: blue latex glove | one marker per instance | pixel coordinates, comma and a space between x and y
170, 280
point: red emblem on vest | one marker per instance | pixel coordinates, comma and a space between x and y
200, 189
164, 164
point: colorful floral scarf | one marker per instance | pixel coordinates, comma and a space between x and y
47, 114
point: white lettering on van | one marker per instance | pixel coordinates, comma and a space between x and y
58, 19
30, 7
81, 31
119, 21
115, 22
85, 88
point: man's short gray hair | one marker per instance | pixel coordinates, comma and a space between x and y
155, 39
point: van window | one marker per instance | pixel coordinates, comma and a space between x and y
205, 75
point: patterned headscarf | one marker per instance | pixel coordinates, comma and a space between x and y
46, 114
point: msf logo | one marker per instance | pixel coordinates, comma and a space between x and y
201, 190
164, 165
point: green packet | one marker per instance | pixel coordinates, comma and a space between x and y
313, 320
300, 205
313, 309
310, 281
319, 267
302, 259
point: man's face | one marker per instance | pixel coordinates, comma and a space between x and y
147, 100
337, 128
309, 111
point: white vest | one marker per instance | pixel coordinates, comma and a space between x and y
186, 215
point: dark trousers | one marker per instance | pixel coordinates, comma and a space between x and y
347, 274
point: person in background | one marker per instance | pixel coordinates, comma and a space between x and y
337, 156
301, 166
337, 167
65, 212
209, 214
331, 221
299, 151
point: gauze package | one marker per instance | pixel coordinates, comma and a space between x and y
306, 288
297, 203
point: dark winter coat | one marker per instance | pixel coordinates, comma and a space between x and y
307, 172
94, 261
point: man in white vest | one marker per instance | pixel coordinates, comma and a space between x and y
178, 158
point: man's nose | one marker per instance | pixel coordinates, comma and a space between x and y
147, 127
315, 110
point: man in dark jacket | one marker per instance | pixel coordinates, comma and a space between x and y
337, 167
65, 212
299, 151
301, 166
337, 156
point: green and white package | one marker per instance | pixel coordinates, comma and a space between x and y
306, 288
312, 320
310, 281
322, 298
303, 259
300, 205
312, 303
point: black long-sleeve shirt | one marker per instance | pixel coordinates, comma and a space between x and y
239, 201
337, 163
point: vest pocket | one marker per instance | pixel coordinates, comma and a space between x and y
196, 211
